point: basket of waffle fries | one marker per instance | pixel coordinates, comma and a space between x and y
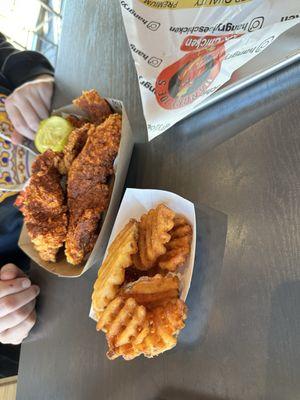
71, 199
138, 300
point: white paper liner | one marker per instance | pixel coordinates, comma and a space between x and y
137, 202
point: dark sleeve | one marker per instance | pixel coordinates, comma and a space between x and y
10, 227
18, 66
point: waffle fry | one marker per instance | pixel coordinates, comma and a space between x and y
155, 334
124, 322
112, 272
166, 321
137, 303
152, 291
178, 248
153, 235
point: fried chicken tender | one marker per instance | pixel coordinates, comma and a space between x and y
179, 247
152, 291
75, 121
111, 274
96, 108
132, 330
75, 144
88, 187
43, 206
153, 235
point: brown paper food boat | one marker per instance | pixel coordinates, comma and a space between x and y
61, 267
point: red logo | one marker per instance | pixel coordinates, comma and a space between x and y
184, 81
188, 78
194, 42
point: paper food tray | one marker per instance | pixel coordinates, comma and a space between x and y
136, 202
62, 267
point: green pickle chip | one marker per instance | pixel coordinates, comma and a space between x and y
52, 134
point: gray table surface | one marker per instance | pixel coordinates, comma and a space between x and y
239, 162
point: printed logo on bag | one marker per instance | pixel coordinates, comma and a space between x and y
265, 44
188, 78
257, 48
176, 4
153, 26
220, 28
194, 42
255, 24
155, 62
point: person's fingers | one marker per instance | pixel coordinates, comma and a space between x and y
16, 334
18, 121
13, 286
28, 112
10, 271
16, 317
16, 137
13, 302
27, 106
38, 104
46, 91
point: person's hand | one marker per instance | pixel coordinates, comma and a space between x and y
29, 104
17, 304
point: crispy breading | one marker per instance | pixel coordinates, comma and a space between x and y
75, 144
133, 330
96, 108
43, 206
179, 247
152, 291
88, 187
112, 271
75, 121
153, 235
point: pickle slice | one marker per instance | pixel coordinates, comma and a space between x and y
52, 134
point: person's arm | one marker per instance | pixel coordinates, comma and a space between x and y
30, 76
19, 67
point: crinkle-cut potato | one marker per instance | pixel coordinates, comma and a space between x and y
123, 321
137, 303
179, 247
153, 235
112, 271
165, 322
152, 291
147, 332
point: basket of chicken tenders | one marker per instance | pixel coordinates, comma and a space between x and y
138, 299
72, 197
